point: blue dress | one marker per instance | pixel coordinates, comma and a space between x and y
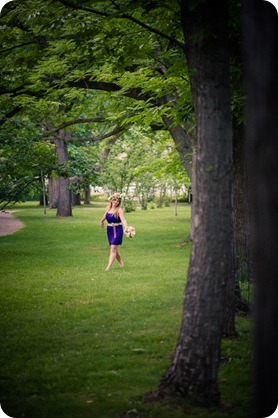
114, 233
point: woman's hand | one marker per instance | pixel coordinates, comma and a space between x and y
102, 224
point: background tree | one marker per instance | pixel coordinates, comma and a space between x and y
139, 162
82, 164
24, 157
117, 46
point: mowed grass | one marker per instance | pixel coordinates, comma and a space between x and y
77, 341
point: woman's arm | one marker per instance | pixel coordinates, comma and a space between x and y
122, 218
102, 220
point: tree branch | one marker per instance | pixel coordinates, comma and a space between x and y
86, 9
135, 93
107, 150
17, 91
150, 28
78, 120
97, 85
10, 114
17, 46
125, 16
118, 130
97, 137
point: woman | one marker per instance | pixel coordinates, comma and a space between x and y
114, 215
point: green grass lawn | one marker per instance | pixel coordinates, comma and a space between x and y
78, 342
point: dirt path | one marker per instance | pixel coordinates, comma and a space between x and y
9, 224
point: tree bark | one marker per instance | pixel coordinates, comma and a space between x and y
196, 360
261, 46
53, 189
242, 215
240, 263
64, 207
43, 200
76, 199
229, 325
87, 192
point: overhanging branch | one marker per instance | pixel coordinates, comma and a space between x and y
124, 16
78, 120
10, 114
118, 130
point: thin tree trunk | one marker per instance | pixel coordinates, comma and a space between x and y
87, 191
242, 262
64, 207
76, 199
242, 215
229, 325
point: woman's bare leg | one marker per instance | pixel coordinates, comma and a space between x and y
113, 255
119, 258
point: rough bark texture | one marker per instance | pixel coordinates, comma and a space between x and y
261, 46
196, 360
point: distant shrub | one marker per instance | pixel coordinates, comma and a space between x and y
129, 205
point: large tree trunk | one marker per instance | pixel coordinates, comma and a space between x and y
261, 45
196, 360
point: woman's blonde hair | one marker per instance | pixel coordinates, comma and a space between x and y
115, 196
